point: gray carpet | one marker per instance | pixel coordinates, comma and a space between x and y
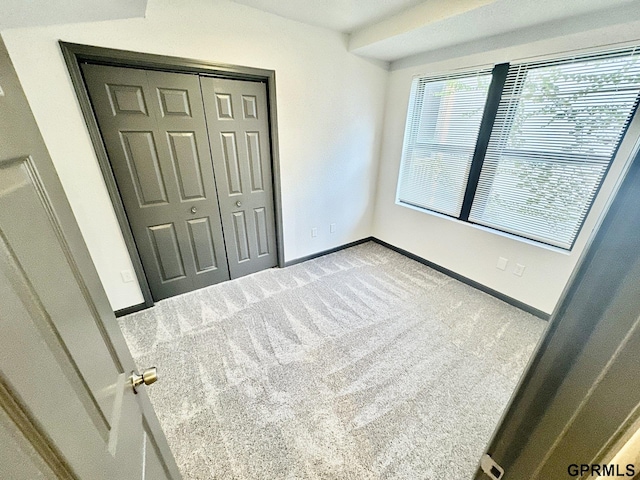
361, 364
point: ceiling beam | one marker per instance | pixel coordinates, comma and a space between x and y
410, 20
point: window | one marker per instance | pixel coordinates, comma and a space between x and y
442, 133
536, 155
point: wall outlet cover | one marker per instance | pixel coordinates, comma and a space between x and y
332, 228
127, 276
519, 270
314, 232
502, 263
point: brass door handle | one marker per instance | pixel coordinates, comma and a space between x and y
149, 376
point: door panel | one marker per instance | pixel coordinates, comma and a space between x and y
238, 126
46, 312
167, 252
18, 458
84, 349
255, 161
65, 395
142, 159
126, 99
202, 241
231, 163
262, 231
184, 155
240, 234
154, 132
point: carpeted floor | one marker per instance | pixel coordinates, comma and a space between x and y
362, 364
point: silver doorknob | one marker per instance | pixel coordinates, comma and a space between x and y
149, 376
194, 209
238, 203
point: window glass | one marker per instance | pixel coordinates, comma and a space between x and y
556, 131
440, 138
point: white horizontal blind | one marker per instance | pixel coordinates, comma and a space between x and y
440, 138
557, 128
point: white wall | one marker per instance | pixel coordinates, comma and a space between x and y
330, 106
465, 249
330, 118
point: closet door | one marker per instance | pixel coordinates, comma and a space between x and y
238, 124
154, 131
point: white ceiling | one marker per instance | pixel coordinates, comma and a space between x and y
386, 30
394, 29
340, 15
30, 13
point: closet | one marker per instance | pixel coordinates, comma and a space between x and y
191, 158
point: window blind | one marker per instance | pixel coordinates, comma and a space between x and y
556, 131
440, 136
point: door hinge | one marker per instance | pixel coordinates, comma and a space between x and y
490, 467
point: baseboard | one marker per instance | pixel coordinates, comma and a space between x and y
468, 281
446, 271
132, 309
142, 306
326, 252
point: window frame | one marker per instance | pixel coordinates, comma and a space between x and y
499, 75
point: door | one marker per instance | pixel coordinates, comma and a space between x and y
154, 131
582, 387
67, 407
238, 124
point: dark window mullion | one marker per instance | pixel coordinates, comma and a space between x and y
498, 79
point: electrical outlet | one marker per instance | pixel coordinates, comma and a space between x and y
502, 263
332, 228
314, 232
519, 270
127, 276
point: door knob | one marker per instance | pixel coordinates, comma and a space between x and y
194, 209
238, 203
149, 376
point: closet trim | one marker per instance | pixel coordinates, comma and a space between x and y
74, 54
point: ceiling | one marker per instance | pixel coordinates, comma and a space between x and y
387, 30
344, 16
30, 13
394, 29
340, 15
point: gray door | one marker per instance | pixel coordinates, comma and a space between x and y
155, 134
67, 408
238, 124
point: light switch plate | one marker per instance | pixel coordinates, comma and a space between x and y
332, 228
314, 232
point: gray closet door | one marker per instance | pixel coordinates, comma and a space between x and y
155, 134
238, 123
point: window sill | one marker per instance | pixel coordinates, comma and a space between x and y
490, 230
